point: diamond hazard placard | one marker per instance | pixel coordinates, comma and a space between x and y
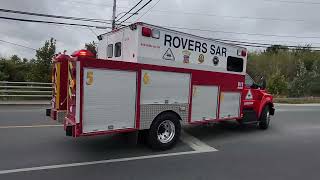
168, 55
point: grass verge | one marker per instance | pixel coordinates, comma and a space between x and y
303, 100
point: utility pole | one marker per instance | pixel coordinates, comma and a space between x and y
114, 14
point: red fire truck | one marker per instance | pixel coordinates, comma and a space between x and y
154, 79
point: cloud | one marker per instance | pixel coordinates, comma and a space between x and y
225, 16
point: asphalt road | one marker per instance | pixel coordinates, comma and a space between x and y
289, 149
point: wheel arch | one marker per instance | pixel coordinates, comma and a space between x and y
268, 104
169, 112
166, 112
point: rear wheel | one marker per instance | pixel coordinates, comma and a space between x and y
265, 118
164, 131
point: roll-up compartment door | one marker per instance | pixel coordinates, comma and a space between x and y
204, 103
229, 105
109, 99
159, 87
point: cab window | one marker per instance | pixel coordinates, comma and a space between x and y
110, 51
234, 64
248, 81
117, 49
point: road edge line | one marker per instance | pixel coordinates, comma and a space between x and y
98, 162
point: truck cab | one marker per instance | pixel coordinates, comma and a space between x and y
258, 104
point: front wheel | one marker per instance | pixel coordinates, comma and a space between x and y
265, 118
164, 131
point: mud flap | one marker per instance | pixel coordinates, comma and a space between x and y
69, 131
272, 110
48, 112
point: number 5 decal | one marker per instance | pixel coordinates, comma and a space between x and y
89, 78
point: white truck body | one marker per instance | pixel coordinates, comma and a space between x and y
142, 71
170, 48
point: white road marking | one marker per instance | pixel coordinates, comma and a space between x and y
295, 110
311, 104
98, 162
195, 143
31, 126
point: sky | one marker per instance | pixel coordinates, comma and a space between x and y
288, 22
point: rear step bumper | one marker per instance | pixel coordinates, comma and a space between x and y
69, 131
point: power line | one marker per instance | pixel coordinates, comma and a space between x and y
232, 17
259, 44
251, 34
54, 16
251, 44
86, 2
94, 4
269, 41
18, 45
265, 45
293, 2
93, 31
235, 17
130, 10
136, 11
50, 22
147, 10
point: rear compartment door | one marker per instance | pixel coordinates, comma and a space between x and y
204, 103
109, 100
229, 105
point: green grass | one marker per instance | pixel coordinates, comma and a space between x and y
304, 100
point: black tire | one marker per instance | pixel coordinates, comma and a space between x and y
156, 126
264, 120
240, 122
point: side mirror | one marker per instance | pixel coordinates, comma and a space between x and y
263, 83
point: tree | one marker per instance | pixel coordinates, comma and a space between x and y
41, 67
13, 69
315, 76
301, 83
277, 84
3, 72
92, 47
15, 59
274, 49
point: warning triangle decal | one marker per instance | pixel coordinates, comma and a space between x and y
168, 55
249, 95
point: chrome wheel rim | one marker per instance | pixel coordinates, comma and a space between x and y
166, 131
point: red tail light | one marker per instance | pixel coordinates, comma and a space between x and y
82, 52
146, 32
242, 53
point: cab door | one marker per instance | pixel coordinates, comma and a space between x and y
252, 96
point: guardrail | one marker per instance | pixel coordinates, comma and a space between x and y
25, 90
